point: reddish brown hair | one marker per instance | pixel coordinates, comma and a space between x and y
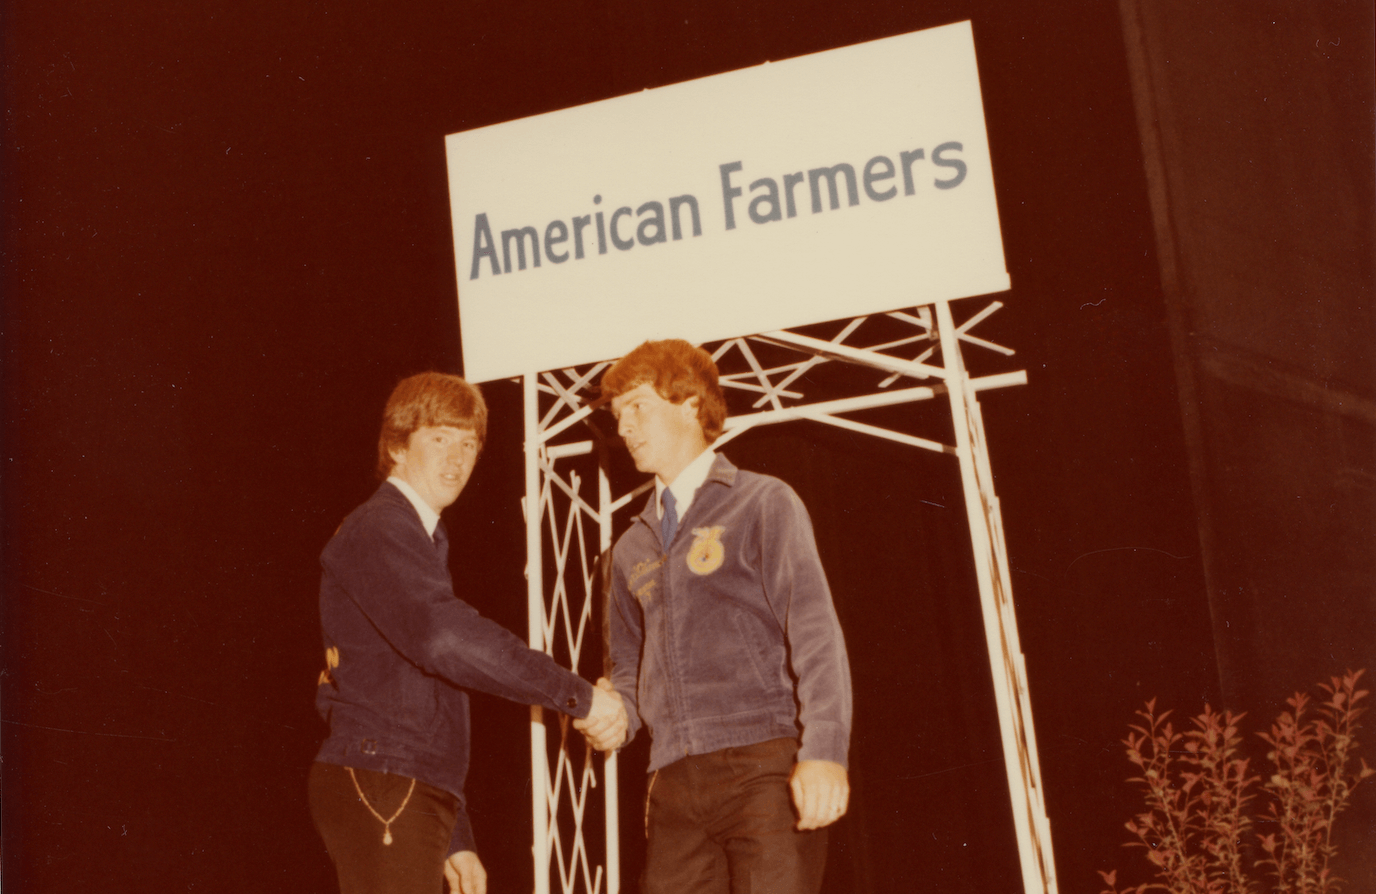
678, 371
428, 399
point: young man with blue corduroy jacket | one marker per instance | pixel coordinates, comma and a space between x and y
725, 644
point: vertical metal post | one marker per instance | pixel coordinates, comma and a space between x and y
535, 599
1000, 626
609, 765
1031, 761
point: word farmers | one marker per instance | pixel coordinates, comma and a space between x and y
875, 176
650, 230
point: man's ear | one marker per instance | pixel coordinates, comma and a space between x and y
690, 407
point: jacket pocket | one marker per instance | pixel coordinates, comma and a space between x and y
755, 649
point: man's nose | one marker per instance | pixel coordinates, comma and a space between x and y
623, 425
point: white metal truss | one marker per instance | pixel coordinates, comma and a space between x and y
769, 377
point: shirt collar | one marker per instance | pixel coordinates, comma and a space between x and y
428, 517
686, 485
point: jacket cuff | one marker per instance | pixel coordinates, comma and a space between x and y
634, 723
461, 839
825, 741
578, 700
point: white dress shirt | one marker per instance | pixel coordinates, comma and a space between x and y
686, 485
428, 517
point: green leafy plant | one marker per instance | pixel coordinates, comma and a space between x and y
1197, 828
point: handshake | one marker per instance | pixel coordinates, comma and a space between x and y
606, 724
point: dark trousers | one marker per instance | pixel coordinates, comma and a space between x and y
414, 862
724, 822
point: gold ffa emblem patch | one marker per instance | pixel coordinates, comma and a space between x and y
706, 553
331, 662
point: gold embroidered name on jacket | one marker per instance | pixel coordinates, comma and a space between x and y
644, 591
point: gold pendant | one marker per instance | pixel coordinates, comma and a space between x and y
386, 836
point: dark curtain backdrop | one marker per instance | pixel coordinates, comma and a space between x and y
227, 236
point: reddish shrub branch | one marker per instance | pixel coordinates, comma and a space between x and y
1196, 827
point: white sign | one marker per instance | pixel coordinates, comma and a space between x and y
847, 182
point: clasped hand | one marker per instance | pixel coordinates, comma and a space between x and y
606, 724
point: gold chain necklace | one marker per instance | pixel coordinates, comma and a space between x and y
386, 823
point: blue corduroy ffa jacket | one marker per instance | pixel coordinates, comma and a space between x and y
727, 636
401, 648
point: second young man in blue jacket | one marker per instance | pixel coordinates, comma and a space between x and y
725, 644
